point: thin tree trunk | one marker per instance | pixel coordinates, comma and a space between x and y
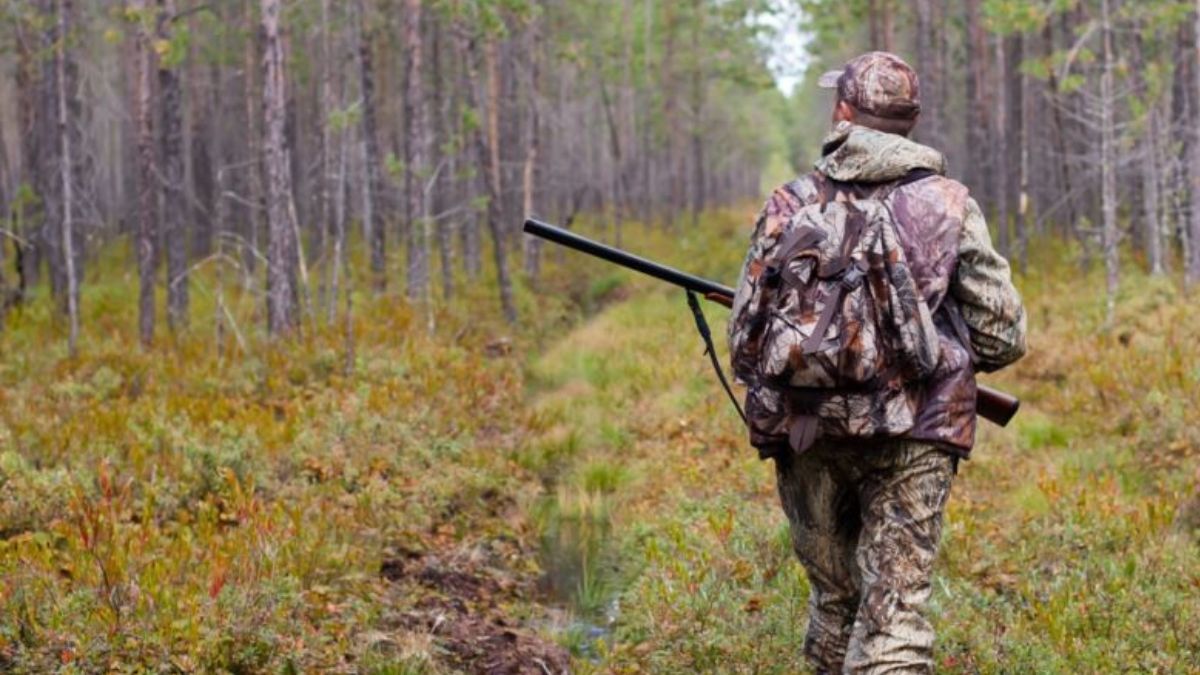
1151, 225
171, 138
1108, 168
614, 145
495, 168
472, 253
487, 154
1058, 130
977, 174
532, 244
329, 65
66, 169
927, 38
341, 188
874, 18
29, 125
281, 247
1181, 120
254, 176
888, 25
374, 168
443, 157
419, 228
1193, 264
699, 176
1000, 148
1020, 143
147, 237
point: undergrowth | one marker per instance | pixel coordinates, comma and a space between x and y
221, 502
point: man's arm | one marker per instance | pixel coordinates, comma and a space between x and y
990, 304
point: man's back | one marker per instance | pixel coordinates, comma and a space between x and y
949, 250
866, 513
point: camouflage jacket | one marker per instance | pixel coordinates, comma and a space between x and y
945, 231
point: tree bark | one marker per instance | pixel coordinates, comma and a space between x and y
1151, 225
147, 234
1193, 264
977, 172
171, 138
372, 186
443, 158
928, 40
532, 250
281, 246
487, 154
419, 227
1019, 142
1000, 148
1108, 168
254, 171
699, 175
66, 171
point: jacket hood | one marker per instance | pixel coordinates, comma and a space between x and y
854, 154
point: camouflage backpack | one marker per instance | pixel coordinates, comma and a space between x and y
835, 327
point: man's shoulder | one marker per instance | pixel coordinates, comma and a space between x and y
953, 196
794, 195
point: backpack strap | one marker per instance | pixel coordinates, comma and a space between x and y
711, 351
850, 275
950, 308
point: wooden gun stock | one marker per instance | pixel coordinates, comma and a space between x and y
996, 406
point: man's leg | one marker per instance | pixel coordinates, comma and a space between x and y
903, 491
822, 509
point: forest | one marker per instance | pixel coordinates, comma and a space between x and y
284, 388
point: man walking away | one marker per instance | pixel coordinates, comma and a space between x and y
870, 298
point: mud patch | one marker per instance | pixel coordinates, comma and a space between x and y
463, 604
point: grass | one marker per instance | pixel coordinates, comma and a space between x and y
200, 509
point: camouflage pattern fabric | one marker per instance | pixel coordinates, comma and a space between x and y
877, 83
865, 523
835, 312
948, 250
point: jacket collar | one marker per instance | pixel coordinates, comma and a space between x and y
855, 154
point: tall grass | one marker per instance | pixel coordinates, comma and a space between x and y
225, 503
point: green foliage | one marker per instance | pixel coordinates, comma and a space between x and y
203, 512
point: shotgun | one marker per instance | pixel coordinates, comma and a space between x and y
995, 406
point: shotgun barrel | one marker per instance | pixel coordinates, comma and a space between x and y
992, 405
615, 255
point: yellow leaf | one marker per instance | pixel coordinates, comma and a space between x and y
162, 46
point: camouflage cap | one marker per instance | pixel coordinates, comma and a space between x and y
877, 83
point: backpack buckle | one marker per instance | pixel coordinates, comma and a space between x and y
853, 276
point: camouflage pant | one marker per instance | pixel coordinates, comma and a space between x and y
865, 524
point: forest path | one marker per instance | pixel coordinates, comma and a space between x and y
1063, 540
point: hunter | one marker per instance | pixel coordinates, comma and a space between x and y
864, 475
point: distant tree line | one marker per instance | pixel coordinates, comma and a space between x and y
254, 136
1076, 116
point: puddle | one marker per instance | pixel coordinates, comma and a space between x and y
580, 567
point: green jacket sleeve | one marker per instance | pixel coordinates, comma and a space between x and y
990, 304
